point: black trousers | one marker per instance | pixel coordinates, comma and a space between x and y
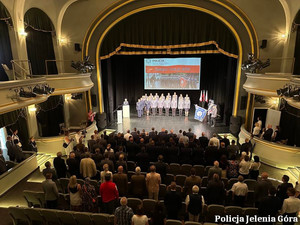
239, 200
289, 215
108, 207
51, 204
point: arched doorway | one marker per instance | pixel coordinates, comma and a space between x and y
39, 41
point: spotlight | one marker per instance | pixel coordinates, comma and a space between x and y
23, 33
252, 64
83, 66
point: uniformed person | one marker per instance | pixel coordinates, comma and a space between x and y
148, 105
167, 105
187, 105
174, 104
153, 105
138, 106
160, 105
210, 104
214, 113
180, 104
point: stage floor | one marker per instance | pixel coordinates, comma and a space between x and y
168, 122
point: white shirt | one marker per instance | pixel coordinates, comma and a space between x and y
256, 131
139, 220
127, 136
255, 166
259, 124
215, 141
244, 167
239, 189
291, 205
110, 150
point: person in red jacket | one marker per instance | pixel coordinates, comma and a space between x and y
109, 194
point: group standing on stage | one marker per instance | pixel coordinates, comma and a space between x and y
162, 104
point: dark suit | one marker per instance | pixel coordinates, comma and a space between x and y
97, 157
215, 192
261, 190
210, 155
2, 165
173, 204
110, 164
73, 165
132, 149
138, 185
268, 134
203, 141
190, 134
60, 167
190, 182
161, 168
91, 143
269, 206
121, 180
281, 191
142, 160
226, 141
122, 163
49, 170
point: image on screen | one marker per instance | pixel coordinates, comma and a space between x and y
172, 73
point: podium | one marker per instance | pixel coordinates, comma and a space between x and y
119, 116
126, 111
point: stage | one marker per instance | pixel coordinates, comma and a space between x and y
168, 122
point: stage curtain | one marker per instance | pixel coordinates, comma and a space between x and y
16, 120
175, 27
5, 47
123, 77
297, 51
39, 41
50, 114
290, 124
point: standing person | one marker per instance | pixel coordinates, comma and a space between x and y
213, 114
172, 202
245, 167
194, 204
215, 191
187, 105
32, 144
48, 169
109, 193
233, 167
239, 192
104, 172
191, 181
259, 122
3, 167
73, 165
9, 147
17, 151
87, 166
158, 216
167, 105
160, 105
232, 149
268, 133
290, 207
174, 104
282, 188
153, 181
215, 141
60, 166
203, 140
68, 143
121, 181
214, 170
139, 218
254, 168
261, 189
138, 108
138, 184
51, 192
75, 194
123, 214
153, 105
15, 136
88, 196
256, 130
180, 104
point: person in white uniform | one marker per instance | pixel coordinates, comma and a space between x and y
160, 105
187, 105
167, 105
148, 105
174, 104
153, 105
180, 104
210, 104
213, 114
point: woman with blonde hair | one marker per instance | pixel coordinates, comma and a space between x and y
104, 172
75, 194
256, 130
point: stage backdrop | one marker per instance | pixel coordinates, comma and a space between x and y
123, 77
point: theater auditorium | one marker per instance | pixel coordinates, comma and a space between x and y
149, 112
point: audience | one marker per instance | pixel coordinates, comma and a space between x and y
60, 166
191, 181
139, 218
158, 216
48, 169
215, 141
282, 188
262, 188
214, 170
232, 149
74, 190
88, 196
267, 135
254, 168
291, 206
88, 166
194, 204
123, 214
270, 205
51, 192
153, 181
73, 165
172, 202
239, 192
109, 194
104, 172
121, 181
215, 191
3, 167
245, 167
138, 184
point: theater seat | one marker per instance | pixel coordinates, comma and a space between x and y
162, 191
101, 218
251, 184
173, 222
199, 170
192, 223
148, 205
95, 184
134, 203
250, 199
233, 211
34, 216
64, 182
180, 180
33, 198
206, 170
50, 216
213, 210
186, 169
169, 178
204, 181
174, 168
131, 166
80, 181
66, 217
83, 218
18, 216
250, 211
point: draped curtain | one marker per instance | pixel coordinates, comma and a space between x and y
5, 47
297, 51
169, 31
39, 41
50, 114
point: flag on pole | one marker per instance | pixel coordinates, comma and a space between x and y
200, 113
206, 96
201, 99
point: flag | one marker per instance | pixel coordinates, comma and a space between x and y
206, 96
200, 113
201, 99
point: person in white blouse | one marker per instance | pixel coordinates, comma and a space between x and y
291, 206
139, 218
245, 167
256, 130
259, 122
104, 172
239, 192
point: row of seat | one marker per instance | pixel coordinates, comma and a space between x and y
38, 216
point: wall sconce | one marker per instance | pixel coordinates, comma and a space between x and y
68, 97
23, 33
282, 36
32, 108
63, 41
273, 102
